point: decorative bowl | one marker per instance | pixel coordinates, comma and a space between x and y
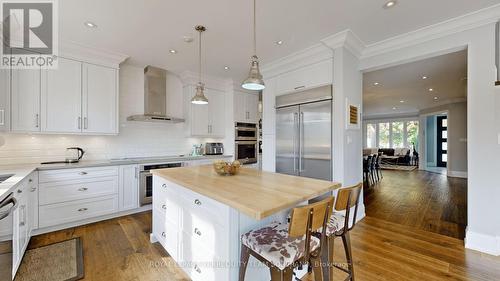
224, 168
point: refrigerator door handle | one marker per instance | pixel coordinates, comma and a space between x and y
296, 128
301, 142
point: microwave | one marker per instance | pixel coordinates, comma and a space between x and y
245, 131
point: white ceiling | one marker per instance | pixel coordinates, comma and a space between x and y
146, 30
446, 75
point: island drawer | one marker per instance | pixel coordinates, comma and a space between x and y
204, 230
202, 265
60, 213
75, 174
57, 192
166, 233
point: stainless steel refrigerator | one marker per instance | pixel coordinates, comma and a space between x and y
304, 133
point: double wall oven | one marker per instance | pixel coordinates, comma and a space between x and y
246, 145
146, 180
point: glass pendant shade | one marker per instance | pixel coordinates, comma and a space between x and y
199, 97
254, 81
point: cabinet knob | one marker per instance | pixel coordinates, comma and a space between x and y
19, 191
33, 189
197, 202
163, 234
83, 189
21, 224
82, 210
164, 207
82, 173
197, 232
164, 185
30, 180
197, 269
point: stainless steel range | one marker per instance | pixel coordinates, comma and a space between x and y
146, 180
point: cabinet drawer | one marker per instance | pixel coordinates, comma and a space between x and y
205, 231
75, 174
166, 233
57, 192
77, 210
202, 265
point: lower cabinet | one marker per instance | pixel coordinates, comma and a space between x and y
21, 233
192, 228
129, 187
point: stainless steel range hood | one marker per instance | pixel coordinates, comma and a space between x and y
155, 98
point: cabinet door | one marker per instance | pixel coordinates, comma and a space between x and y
252, 108
129, 188
216, 111
315, 75
240, 114
32, 190
61, 102
20, 231
4, 100
100, 100
25, 102
199, 119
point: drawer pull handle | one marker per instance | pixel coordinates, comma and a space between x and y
30, 180
164, 185
33, 189
197, 269
197, 202
21, 224
83, 189
299, 87
82, 173
19, 191
164, 207
197, 231
82, 210
163, 234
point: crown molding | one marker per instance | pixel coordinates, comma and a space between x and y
190, 78
73, 50
347, 39
465, 22
316, 53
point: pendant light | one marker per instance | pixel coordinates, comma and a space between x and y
254, 81
199, 97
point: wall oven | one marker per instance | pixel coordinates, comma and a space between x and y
246, 151
146, 180
245, 131
7, 207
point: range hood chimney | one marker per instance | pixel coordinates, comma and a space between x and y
155, 97
497, 52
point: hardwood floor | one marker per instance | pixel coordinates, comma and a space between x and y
419, 199
119, 249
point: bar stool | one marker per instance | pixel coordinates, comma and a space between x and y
339, 225
283, 246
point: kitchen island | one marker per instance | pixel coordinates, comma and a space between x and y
199, 216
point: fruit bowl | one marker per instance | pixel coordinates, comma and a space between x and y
224, 168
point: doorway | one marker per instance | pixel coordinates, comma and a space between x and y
442, 141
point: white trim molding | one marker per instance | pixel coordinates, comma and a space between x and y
347, 39
76, 51
457, 174
483, 243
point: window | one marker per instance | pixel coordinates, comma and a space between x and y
393, 134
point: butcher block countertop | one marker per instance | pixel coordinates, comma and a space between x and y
255, 193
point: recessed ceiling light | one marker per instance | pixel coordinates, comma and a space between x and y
390, 4
376, 83
435, 98
394, 108
90, 24
424, 77
431, 90
279, 43
226, 67
401, 101
172, 51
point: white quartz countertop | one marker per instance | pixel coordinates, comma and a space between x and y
21, 171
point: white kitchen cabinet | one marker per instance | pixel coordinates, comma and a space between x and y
25, 100
314, 75
208, 120
32, 189
128, 187
61, 98
246, 107
268, 108
100, 99
4, 100
21, 233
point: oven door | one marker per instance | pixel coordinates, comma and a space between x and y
7, 207
246, 151
146, 188
242, 133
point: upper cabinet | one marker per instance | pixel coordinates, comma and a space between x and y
206, 120
4, 100
100, 100
75, 98
311, 76
25, 104
246, 107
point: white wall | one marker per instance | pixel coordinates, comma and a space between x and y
483, 119
135, 138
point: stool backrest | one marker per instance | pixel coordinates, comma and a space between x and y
346, 199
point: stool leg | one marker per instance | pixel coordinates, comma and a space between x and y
348, 254
281, 275
327, 258
316, 265
245, 255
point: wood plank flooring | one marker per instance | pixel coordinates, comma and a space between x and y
119, 249
419, 199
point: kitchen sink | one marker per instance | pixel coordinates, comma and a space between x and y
5, 177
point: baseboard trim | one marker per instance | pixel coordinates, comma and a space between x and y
457, 174
484, 243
